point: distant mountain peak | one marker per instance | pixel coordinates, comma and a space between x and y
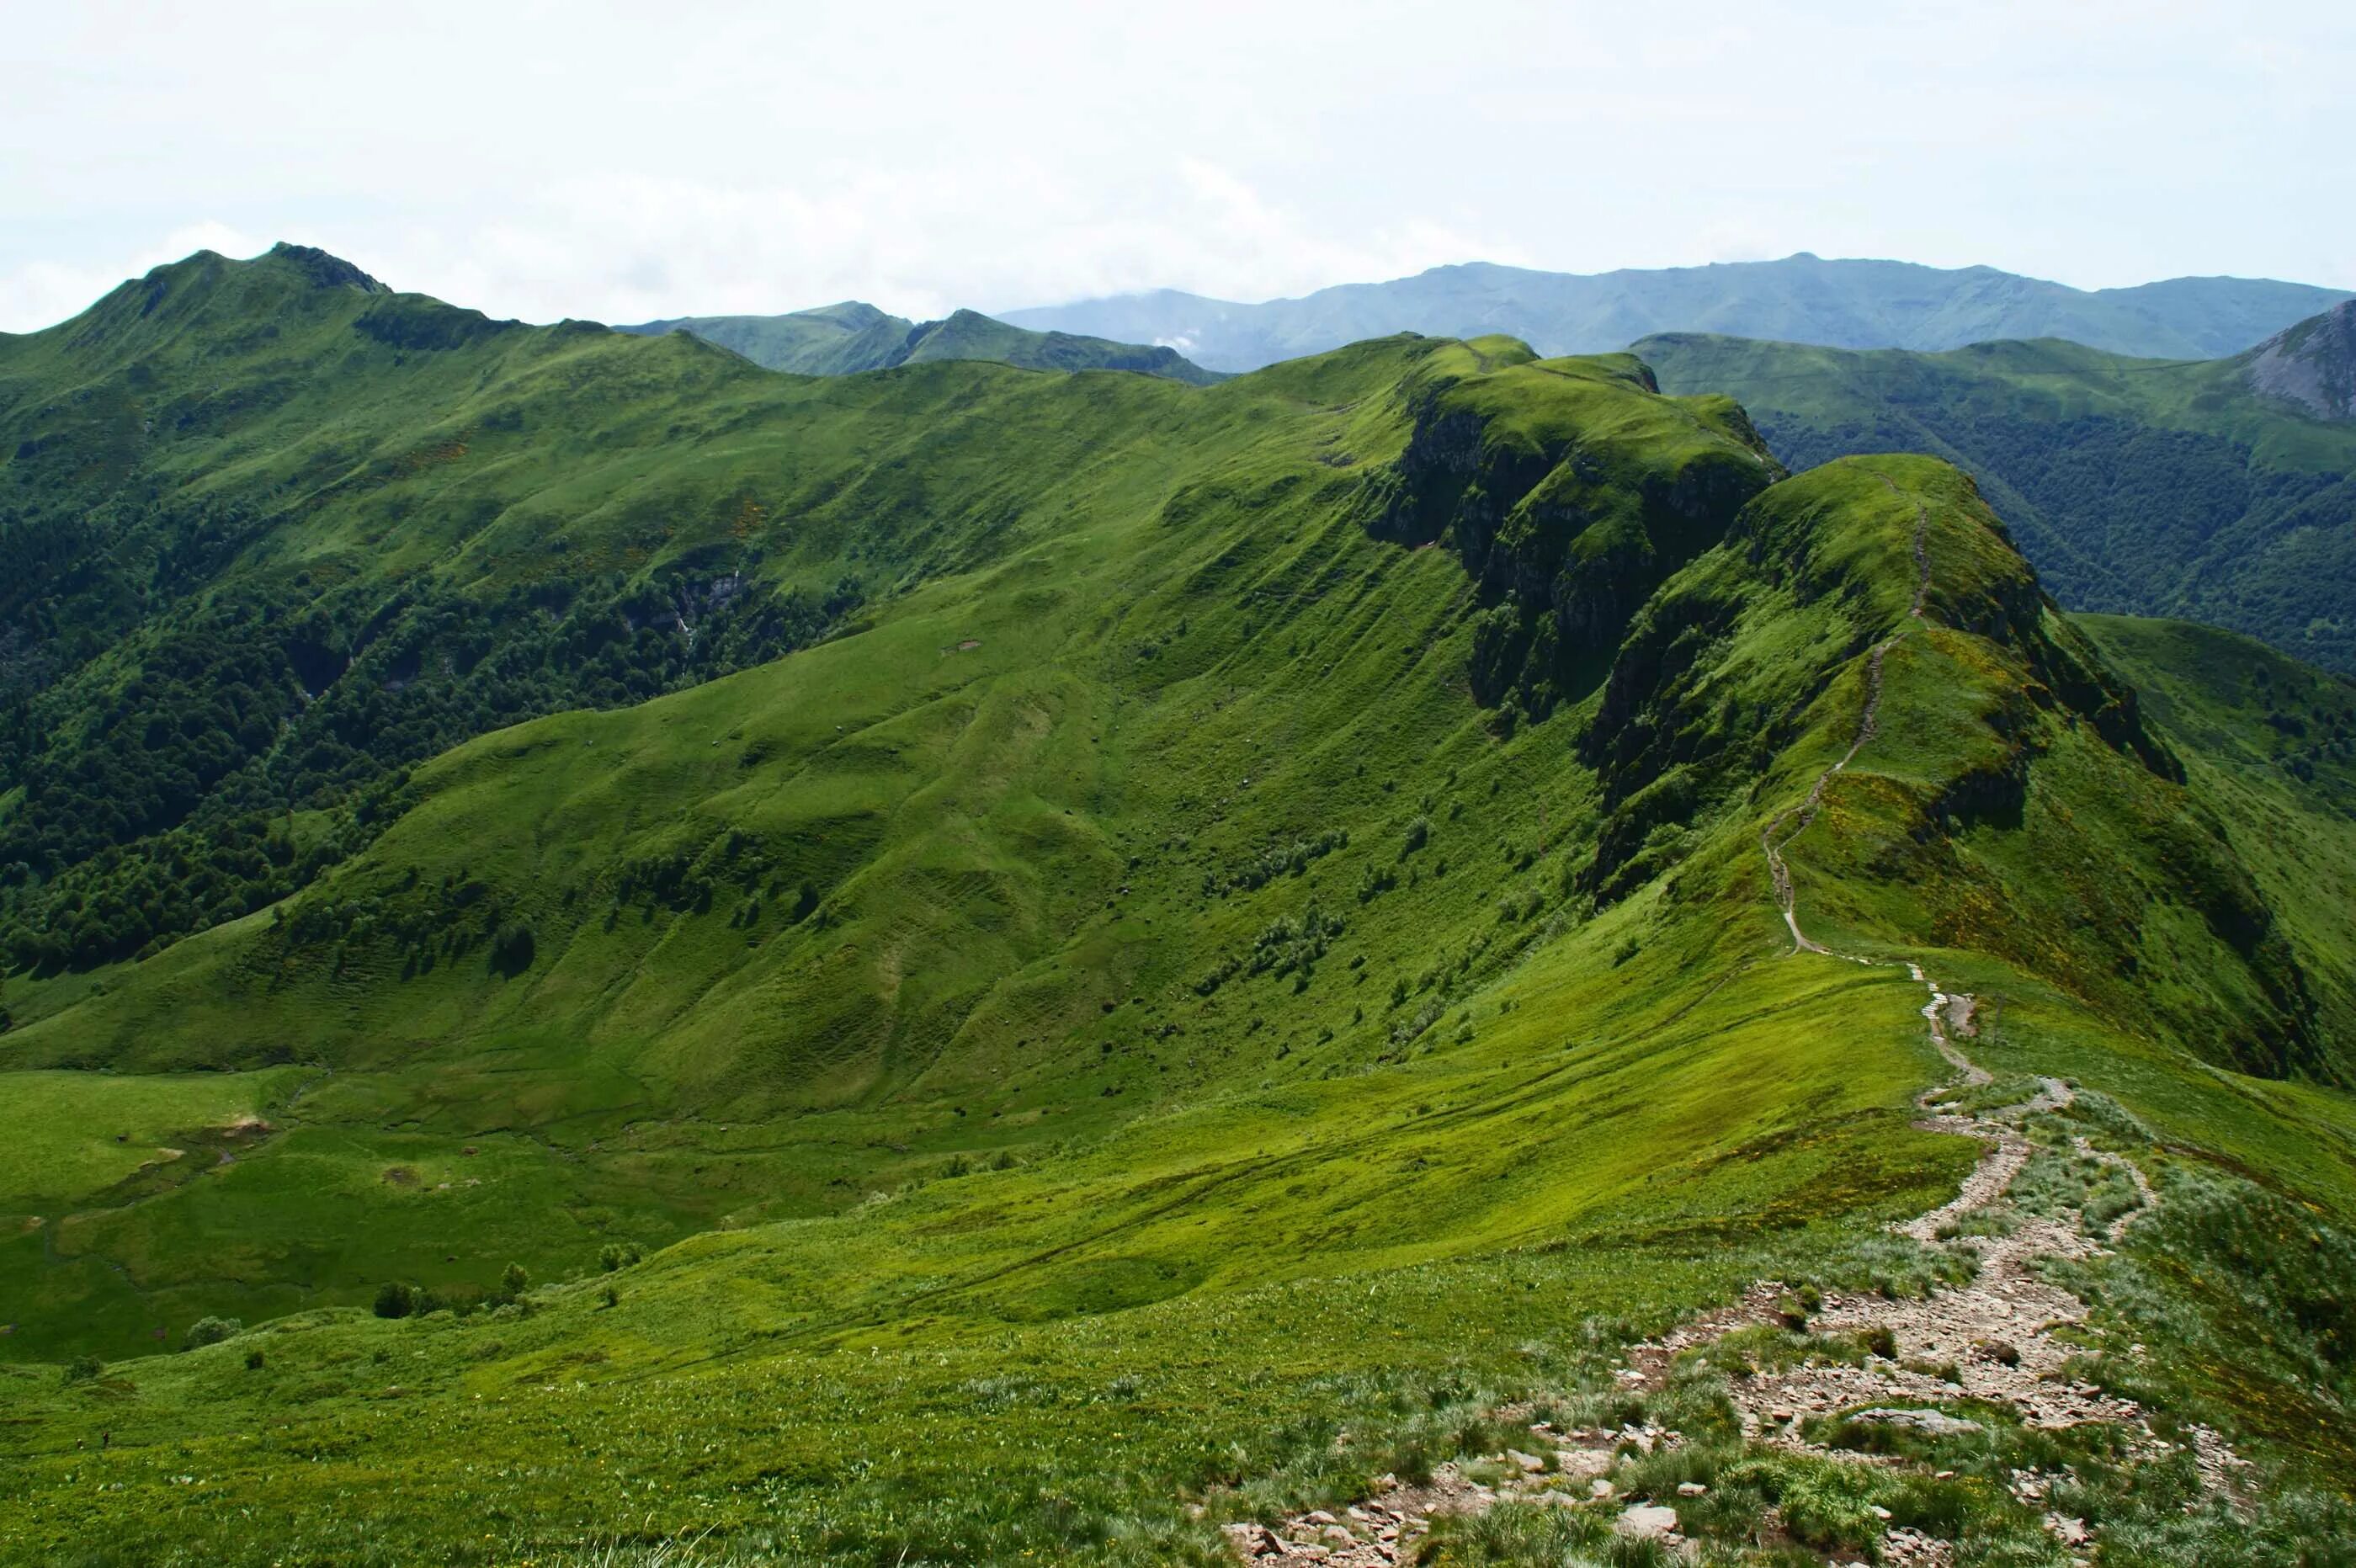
1839, 302
851, 338
852, 314
2312, 364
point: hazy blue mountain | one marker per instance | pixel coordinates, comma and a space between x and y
1800, 299
841, 339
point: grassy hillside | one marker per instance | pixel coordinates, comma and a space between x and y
284, 533
2137, 486
822, 887
1251, 946
842, 339
1799, 299
1203, 1225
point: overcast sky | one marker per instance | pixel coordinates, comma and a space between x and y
626, 161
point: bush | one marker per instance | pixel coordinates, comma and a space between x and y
83, 1369
513, 1281
1415, 1025
253, 1360
617, 1255
394, 1300
513, 948
210, 1331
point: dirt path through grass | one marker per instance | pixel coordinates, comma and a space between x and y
1993, 1340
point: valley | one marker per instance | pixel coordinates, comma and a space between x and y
2199, 488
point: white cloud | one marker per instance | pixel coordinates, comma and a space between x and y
632, 246
736, 155
37, 293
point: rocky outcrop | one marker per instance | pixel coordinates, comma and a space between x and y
2312, 364
1567, 528
324, 271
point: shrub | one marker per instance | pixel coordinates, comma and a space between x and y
83, 1369
617, 1255
210, 1331
512, 948
513, 1281
1422, 1018
253, 1360
1219, 975
1281, 859
394, 1299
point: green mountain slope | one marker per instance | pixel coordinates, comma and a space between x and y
761, 988
842, 339
2143, 486
1267, 947
1799, 299
284, 533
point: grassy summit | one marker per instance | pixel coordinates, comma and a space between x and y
1253, 928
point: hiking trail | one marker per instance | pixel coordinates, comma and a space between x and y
1992, 1340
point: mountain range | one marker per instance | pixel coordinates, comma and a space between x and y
1424, 954
843, 339
1799, 299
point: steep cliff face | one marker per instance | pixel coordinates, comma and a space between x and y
1570, 489
2312, 364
